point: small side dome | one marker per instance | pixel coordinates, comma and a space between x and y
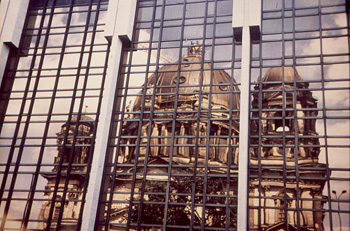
275, 74
84, 119
85, 125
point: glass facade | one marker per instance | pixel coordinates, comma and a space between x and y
173, 146
172, 158
299, 145
50, 102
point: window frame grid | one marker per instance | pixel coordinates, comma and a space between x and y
47, 120
69, 123
122, 95
321, 108
11, 153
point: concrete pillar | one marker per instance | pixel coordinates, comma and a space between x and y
12, 18
245, 18
118, 31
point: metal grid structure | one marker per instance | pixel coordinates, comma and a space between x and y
299, 162
176, 100
178, 125
50, 102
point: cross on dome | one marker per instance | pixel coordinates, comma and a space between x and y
195, 49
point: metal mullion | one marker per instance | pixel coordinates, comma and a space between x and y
304, 56
296, 130
64, 68
118, 145
167, 193
57, 90
207, 137
54, 114
198, 119
58, 173
68, 124
324, 111
260, 116
304, 199
67, 46
73, 11
72, 32
175, 40
313, 89
91, 151
306, 38
304, 8
284, 99
19, 156
177, 25
187, 86
149, 132
347, 10
115, 164
140, 125
42, 191
13, 73
231, 151
49, 97
29, 193
62, 75
33, 122
68, 52
8, 78
57, 27
93, 36
163, 71
46, 126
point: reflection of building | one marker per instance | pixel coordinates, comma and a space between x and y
287, 138
197, 140
179, 92
174, 152
276, 128
70, 168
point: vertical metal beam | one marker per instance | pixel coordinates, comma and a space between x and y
246, 21
116, 23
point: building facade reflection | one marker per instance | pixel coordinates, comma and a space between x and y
284, 161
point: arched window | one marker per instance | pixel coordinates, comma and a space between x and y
280, 123
281, 202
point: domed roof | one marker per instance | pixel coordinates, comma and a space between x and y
87, 120
83, 117
277, 74
189, 79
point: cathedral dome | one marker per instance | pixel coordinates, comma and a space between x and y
188, 76
85, 125
84, 119
277, 74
